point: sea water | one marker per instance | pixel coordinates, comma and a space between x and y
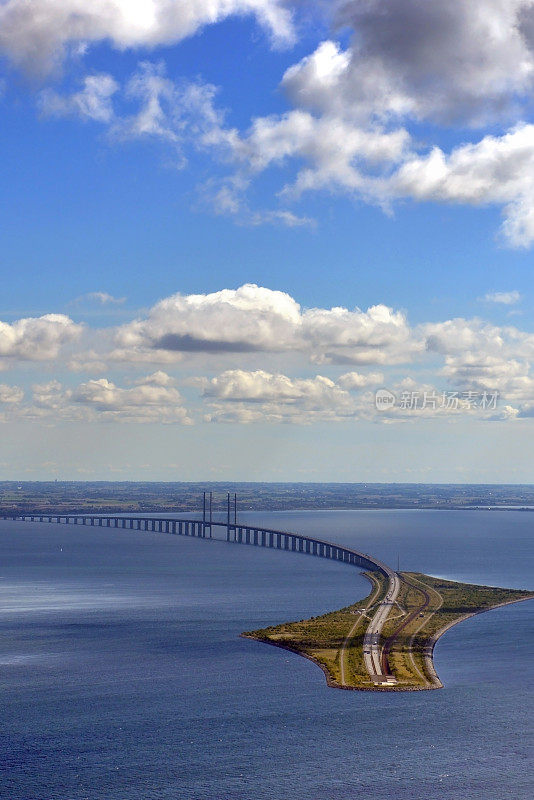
123, 676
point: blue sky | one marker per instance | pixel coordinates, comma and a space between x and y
359, 156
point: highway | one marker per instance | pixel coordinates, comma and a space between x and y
372, 651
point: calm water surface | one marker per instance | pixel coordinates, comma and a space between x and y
124, 678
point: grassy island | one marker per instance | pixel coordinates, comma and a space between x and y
424, 609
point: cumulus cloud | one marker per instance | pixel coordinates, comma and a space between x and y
334, 140
460, 336
36, 338
254, 319
339, 145
445, 60
158, 378
420, 400
49, 397
472, 356
479, 356
496, 170
37, 35
261, 386
10, 399
183, 115
245, 397
379, 335
338, 153
151, 400
353, 124
253, 337
242, 396
248, 319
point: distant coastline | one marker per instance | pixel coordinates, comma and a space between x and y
101, 497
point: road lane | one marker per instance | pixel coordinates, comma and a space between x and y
372, 651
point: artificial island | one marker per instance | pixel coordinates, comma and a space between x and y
386, 641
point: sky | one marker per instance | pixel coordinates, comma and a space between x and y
267, 240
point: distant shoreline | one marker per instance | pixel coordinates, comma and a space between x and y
129, 497
62, 510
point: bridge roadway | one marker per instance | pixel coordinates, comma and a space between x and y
261, 537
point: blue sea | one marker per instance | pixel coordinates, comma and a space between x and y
123, 676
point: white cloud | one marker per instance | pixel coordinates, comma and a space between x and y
479, 356
151, 400
259, 396
255, 319
101, 298
261, 386
158, 378
349, 129
182, 114
354, 381
445, 60
48, 397
460, 337
334, 140
249, 341
11, 394
332, 82
37, 35
36, 338
248, 319
287, 218
506, 298
170, 111
496, 170
379, 335
337, 152
93, 101
243, 397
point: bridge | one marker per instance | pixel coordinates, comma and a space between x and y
234, 532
